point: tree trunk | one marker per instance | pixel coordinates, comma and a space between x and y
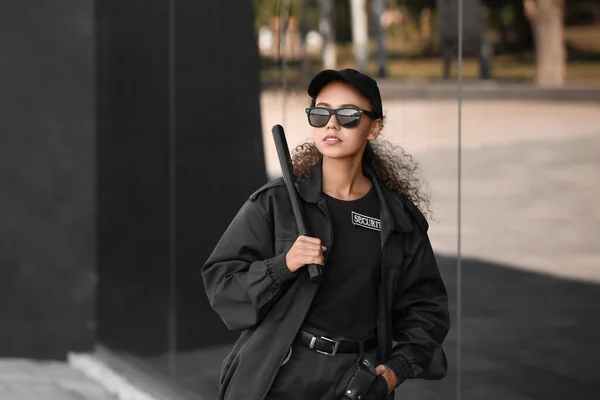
360, 34
327, 30
305, 70
378, 8
546, 18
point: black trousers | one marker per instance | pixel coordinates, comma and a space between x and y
309, 375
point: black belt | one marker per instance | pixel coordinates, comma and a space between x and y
331, 347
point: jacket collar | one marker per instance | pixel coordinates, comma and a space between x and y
393, 212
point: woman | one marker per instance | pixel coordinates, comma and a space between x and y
381, 297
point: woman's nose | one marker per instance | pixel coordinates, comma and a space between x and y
332, 123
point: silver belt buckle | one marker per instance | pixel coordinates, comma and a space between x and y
335, 346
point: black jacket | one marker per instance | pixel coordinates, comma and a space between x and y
250, 287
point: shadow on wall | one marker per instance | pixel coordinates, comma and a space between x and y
525, 336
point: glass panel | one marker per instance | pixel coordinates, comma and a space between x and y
186, 138
530, 215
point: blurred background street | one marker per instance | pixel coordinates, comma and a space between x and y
25, 379
529, 168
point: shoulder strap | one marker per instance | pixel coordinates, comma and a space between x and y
273, 183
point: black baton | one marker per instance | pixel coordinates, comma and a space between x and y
287, 169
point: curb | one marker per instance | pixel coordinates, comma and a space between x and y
487, 90
113, 383
473, 90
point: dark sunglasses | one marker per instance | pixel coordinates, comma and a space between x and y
318, 117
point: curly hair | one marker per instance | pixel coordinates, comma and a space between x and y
392, 166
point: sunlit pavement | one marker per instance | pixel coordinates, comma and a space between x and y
32, 380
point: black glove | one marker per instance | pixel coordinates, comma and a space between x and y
378, 389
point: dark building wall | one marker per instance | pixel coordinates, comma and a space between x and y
180, 149
120, 168
133, 173
47, 178
220, 159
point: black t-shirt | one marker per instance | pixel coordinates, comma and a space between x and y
346, 302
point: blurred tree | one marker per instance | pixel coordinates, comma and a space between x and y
327, 29
342, 18
305, 68
263, 11
547, 21
378, 9
360, 33
416, 6
507, 18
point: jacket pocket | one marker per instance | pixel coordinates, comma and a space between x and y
227, 374
225, 367
231, 362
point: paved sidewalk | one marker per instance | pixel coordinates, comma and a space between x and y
22, 379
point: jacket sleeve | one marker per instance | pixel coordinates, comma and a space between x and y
243, 277
420, 316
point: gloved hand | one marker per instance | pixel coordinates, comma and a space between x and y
378, 389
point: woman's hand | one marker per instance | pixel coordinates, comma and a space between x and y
305, 250
389, 376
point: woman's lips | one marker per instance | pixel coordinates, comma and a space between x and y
332, 139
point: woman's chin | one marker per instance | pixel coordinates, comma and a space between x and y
336, 154
331, 152
338, 150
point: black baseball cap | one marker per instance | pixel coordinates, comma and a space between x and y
366, 85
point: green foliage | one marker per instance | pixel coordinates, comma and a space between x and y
416, 6
343, 21
264, 10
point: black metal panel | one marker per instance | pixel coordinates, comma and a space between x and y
180, 149
47, 170
220, 159
133, 175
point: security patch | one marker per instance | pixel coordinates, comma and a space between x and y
365, 221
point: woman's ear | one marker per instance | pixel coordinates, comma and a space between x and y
375, 130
